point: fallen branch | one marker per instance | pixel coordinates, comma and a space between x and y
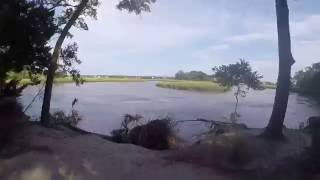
212, 122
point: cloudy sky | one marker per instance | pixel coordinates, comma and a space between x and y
196, 35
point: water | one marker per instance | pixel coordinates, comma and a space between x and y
103, 105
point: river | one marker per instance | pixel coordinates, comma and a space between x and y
103, 105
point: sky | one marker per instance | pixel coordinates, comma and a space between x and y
196, 35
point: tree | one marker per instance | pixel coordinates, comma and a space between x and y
275, 125
307, 81
180, 75
25, 30
136, 6
73, 16
239, 75
192, 75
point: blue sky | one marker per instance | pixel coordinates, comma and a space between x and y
196, 35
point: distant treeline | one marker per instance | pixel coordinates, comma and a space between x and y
308, 81
193, 75
124, 76
63, 74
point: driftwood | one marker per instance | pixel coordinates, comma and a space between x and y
218, 127
214, 124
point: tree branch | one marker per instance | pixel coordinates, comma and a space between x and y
58, 4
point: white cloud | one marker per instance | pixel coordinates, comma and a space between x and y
267, 68
219, 47
119, 31
305, 53
245, 38
197, 35
307, 28
210, 52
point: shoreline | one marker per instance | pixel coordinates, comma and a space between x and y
50, 153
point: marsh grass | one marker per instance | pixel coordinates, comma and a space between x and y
88, 80
206, 86
99, 79
265, 86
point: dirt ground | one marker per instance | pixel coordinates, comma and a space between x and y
50, 154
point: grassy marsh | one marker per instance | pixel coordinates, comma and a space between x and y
206, 86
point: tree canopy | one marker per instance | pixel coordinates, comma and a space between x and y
192, 75
73, 13
307, 81
25, 30
237, 74
136, 6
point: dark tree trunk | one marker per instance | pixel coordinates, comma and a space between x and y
2, 80
275, 126
45, 113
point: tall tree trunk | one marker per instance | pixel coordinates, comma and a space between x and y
45, 113
275, 125
2, 79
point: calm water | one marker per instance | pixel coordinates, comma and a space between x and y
103, 105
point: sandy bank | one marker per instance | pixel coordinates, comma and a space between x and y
50, 154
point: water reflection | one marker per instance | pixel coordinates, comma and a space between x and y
103, 105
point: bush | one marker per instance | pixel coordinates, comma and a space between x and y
11, 114
129, 122
119, 136
231, 148
60, 118
155, 134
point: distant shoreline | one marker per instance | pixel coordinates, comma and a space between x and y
189, 85
89, 80
203, 86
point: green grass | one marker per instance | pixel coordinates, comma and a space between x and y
206, 86
87, 80
269, 86
25, 81
98, 79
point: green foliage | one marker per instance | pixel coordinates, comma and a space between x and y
60, 118
16, 82
237, 74
240, 75
232, 149
269, 85
192, 85
307, 81
68, 79
65, 9
136, 6
192, 75
69, 58
25, 30
71, 119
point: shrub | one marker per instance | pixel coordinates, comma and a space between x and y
119, 136
231, 148
60, 118
129, 121
153, 135
156, 134
10, 115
